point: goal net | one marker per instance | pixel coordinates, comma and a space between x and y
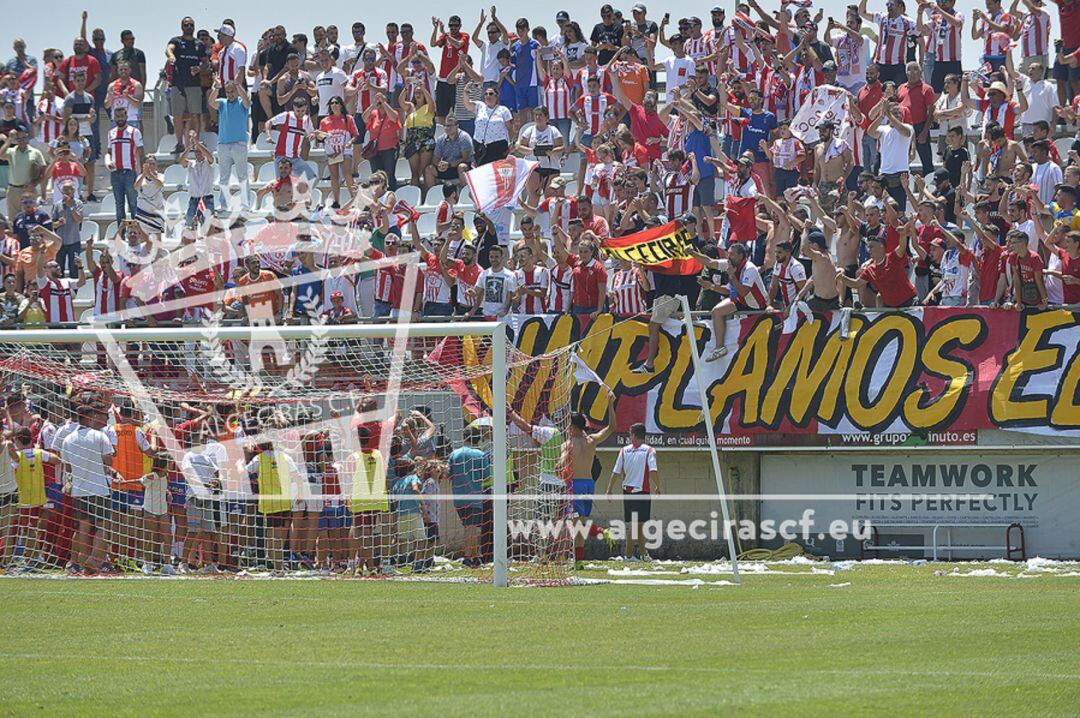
302, 450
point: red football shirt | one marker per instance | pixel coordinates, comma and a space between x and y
890, 279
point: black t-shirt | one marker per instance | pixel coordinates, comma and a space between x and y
134, 57
950, 204
273, 58
824, 52
954, 163
189, 55
611, 34
709, 109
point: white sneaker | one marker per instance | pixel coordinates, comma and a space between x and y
148, 569
168, 570
717, 353
185, 569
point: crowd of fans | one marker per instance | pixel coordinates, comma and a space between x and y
939, 183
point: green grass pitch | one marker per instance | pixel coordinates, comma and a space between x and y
896, 640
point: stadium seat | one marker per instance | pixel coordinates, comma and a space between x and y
402, 171
175, 175
166, 144
466, 196
110, 231
1063, 145
88, 230
108, 205
408, 193
267, 173
261, 143
176, 205
426, 224
210, 139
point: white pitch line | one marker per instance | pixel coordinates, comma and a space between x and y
516, 666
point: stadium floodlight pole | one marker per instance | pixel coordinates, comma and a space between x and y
498, 458
703, 392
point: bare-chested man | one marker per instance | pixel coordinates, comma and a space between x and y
582, 447
833, 161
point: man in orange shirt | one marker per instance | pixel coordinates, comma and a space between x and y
261, 293
633, 76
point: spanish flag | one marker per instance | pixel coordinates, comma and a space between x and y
663, 249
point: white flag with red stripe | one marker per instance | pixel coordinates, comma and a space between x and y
404, 213
498, 184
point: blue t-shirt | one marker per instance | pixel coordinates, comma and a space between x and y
524, 58
758, 128
507, 91
698, 143
470, 469
232, 121
403, 490
307, 295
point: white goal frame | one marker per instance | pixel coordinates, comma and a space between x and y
496, 331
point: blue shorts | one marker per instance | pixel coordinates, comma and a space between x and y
177, 493
54, 493
526, 97
126, 500
335, 517
583, 507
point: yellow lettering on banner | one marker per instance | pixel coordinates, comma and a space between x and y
661, 249
1006, 406
811, 372
1066, 412
747, 375
674, 361
887, 328
921, 410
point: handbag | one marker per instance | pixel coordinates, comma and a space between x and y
371, 147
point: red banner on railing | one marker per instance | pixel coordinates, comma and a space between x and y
921, 376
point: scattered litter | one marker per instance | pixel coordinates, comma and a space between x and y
840, 585
843, 566
979, 572
639, 572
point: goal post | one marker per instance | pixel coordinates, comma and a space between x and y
434, 387
714, 451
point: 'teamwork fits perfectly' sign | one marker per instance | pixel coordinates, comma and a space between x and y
1039, 491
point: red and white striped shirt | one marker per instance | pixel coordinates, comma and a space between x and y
1035, 34
945, 38
362, 80
789, 275
1000, 18
999, 44
677, 191
106, 293
741, 59
699, 47
562, 289
629, 296
51, 121
291, 133
398, 51
749, 276
124, 143
779, 99
892, 38
560, 209
786, 153
557, 98
385, 278
230, 60
594, 108
581, 77
535, 278
57, 295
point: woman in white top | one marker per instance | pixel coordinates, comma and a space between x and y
494, 125
949, 111
150, 202
573, 44
544, 143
